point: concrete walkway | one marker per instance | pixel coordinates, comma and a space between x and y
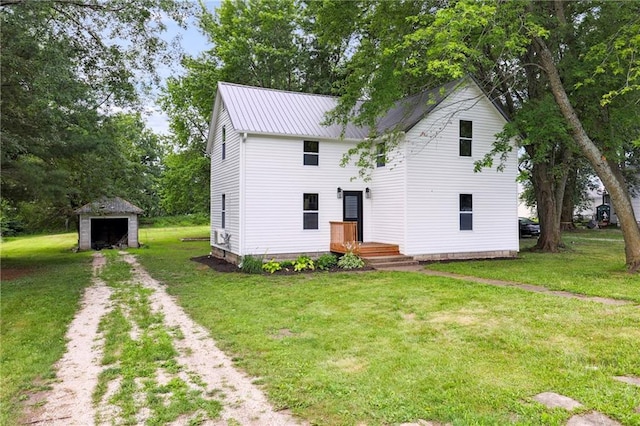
527, 287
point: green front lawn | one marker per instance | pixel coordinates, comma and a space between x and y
367, 348
385, 348
592, 263
36, 309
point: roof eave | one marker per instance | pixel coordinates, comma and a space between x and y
298, 136
213, 122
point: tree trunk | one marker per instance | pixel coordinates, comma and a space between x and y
550, 237
546, 203
617, 189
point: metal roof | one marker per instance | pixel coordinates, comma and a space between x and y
106, 205
277, 112
407, 112
269, 111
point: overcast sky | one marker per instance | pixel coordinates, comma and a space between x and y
193, 42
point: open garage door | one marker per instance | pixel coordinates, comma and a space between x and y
109, 232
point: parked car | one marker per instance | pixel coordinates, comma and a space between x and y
528, 227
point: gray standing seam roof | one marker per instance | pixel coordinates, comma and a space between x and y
270, 111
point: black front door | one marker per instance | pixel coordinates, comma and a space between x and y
352, 209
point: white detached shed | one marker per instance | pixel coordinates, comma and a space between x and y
108, 222
277, 187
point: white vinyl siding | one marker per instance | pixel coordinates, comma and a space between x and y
225, 179
437, 175
276, 180
415, 197
389, 198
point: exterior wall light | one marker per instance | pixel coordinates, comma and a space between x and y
367, 193
339, 192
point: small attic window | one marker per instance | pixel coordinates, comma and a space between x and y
224, 142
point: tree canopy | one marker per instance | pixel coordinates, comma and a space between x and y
572, 64
67, 68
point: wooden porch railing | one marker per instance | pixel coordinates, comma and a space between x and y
344, 235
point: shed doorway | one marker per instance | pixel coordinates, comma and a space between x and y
109, 232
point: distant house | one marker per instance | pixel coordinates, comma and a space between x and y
598, 198
108, 222
277, 187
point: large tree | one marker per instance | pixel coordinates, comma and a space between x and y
513, 48
66, 67
619, 27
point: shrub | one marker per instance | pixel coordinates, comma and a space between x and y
287, 265
326, 262
350, 261
303, 262
10, 227
251, 265
271, 266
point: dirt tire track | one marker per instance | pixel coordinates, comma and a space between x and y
243, 402
69, 402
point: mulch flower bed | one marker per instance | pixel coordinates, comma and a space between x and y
221, 265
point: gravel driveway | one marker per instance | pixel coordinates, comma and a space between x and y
69, 402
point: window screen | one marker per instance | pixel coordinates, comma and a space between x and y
466, 212
311, 153
466, 135
310, 211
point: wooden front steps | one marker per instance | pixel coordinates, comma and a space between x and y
378, 249
381, 262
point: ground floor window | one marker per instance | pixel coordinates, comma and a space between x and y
310, 211
466, 212
223, 211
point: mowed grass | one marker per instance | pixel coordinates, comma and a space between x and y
592, 263
363, 348
36, 309
37, 306
388, 347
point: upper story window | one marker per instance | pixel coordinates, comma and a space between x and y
466, 135
466, 212
224, 142
311, 150
310, 211
381, 155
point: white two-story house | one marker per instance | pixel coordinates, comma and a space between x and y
278, 190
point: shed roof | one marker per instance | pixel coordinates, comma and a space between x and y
106, 205
278, 112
